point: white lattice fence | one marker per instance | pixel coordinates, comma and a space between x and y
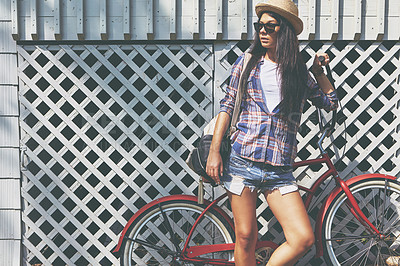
107, 129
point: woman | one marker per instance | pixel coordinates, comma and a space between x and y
264, 145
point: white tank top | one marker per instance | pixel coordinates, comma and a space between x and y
270, 84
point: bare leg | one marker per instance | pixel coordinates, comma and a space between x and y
244, 213
291, 214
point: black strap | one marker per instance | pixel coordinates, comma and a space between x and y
331, 125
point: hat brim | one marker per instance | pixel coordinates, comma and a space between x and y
296, 22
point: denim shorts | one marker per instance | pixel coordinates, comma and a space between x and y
240, 173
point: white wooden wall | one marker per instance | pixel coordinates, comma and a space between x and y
10, 195
195, 19
230, 20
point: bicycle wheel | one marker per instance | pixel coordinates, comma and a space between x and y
153, 229
347, 242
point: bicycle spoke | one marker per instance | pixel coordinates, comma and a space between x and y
154, 230
355, 237
366, 255
381, 224
169, 228
347, 221
343, 248
367, 198
379, 256
155, 233
356, 256
394, 214
393, 223
344, 245
396, 242
375, 203
155, 236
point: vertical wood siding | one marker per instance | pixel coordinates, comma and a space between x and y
195, 19
10, 191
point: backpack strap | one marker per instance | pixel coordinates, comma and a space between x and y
239, 96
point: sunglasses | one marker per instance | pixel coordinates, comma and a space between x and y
269, 27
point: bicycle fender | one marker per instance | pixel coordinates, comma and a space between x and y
328, 202
165, 199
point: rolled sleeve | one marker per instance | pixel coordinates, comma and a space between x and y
228, 102
328, 102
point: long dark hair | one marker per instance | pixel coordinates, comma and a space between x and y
291, 67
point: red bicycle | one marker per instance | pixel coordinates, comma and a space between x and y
358, 224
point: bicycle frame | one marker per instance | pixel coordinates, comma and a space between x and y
330, 172
192, 253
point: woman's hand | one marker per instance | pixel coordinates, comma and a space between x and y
319, 73
214, 167
318, 63
316, 68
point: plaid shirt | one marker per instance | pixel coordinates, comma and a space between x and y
261, 136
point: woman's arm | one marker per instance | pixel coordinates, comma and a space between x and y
318, 72
322, 94
214, 167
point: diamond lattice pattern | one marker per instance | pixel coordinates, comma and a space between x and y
107, 129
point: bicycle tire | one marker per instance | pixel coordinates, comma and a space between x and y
150, 226
347, 242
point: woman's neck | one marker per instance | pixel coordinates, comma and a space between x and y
270, 55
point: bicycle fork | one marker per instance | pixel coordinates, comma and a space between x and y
357, 212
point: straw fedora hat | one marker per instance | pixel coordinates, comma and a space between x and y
285, 8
